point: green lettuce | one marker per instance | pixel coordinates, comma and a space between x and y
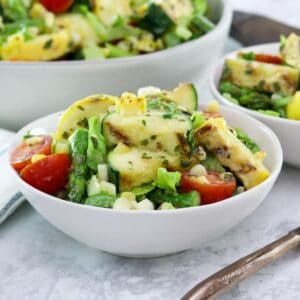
167, 180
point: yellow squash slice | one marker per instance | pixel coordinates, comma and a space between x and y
41, 48
78, 113
293, 108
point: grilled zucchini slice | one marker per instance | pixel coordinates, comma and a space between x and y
215, 135
134, 167
151, 131
263, 76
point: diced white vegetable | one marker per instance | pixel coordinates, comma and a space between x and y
102, 172
202, 179
134, 205
198, 170
148, 90
93, 186
128, 195
108, 187
145, 205
61, 147
33, 140
37, 157
122, 204
131, 198
240, 189
166, 206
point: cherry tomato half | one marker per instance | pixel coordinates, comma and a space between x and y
270, 59
49, 174
216, 190
57, 6
22, 155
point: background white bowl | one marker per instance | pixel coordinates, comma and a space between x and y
154, 233
288, 131
31, 90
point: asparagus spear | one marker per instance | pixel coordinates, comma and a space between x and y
77, 180
77, 190
96, 144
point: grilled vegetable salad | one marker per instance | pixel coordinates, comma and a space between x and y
152, 150
266, 83
47, 30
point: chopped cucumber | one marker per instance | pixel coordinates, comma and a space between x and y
108, 187
102, 172
62, 147
93, 187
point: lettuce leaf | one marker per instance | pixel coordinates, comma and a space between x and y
167, 180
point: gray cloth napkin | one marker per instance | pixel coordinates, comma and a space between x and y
10, 197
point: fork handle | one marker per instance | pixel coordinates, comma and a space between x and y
241, 269
251, 29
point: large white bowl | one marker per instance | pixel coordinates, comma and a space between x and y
288, 131
31, 90
154, 233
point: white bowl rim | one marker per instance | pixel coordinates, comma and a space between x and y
254, 113
224, 203
226, 15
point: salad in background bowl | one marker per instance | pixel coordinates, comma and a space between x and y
145, 174
49, 30
88, 55
263, 81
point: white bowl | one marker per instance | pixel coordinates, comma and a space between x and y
288, 131
31, 90
154, 233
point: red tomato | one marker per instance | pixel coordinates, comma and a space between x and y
22, 155
270, 59
216, 190
49, 174
57, 6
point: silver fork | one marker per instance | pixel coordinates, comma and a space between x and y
218, 283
